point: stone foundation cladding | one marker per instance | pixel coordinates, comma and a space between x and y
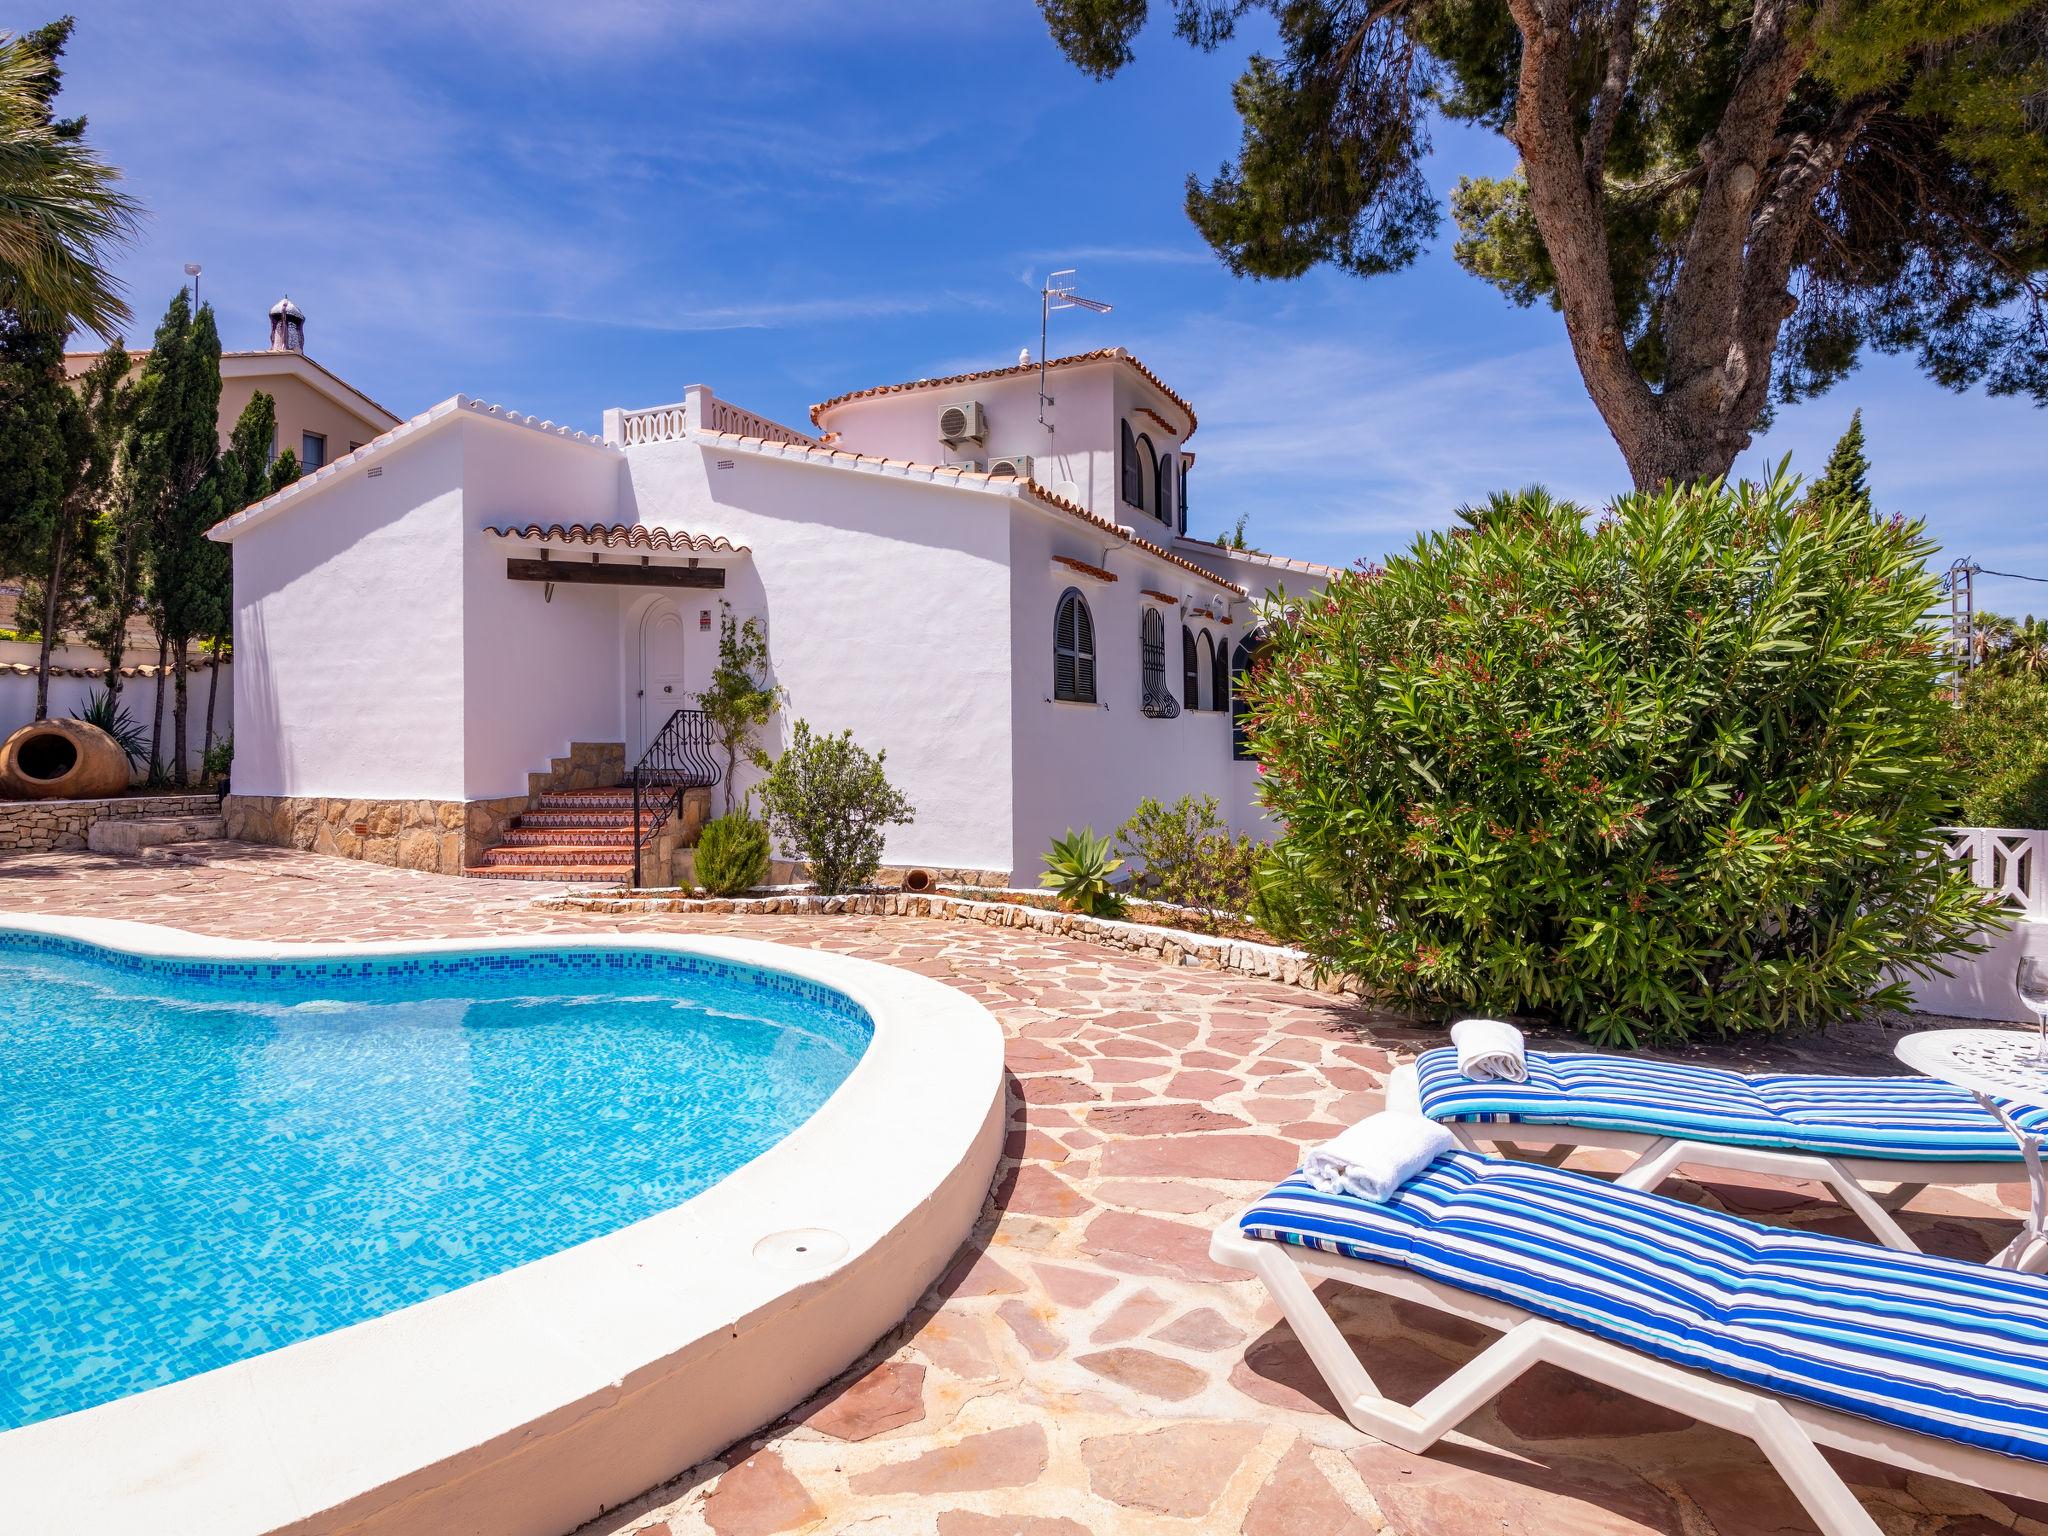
437, 835
1274, 962
46, 826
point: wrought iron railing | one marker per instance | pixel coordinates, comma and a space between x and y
680, 758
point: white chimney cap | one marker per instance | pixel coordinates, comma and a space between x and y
286, 307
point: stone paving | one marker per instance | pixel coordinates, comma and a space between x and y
1084, 1368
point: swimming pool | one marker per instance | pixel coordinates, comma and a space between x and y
205, 1160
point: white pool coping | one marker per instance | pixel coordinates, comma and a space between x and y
531, 1401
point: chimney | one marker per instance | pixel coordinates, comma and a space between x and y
287, 326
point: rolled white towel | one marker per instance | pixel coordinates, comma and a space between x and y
1376, 1156
1490, 1048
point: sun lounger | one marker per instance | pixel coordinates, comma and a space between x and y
1794, 1339
1844, 1132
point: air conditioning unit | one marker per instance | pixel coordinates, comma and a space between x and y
1017, 465
962, 423
976, 465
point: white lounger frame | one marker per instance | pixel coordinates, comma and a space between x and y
1658, 1157
1790, 1433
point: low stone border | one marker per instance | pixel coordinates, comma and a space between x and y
46, 826
1272, 962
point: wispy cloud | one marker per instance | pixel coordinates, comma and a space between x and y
765, 314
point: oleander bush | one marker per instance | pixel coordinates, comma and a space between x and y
1673, 771
732, 854
829, 802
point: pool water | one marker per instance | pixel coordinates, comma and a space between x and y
202, 1161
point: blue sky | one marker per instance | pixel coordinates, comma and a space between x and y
568, 207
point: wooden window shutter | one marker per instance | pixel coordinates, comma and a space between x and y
1190, 670
1133, 476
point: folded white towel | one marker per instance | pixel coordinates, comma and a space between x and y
1376, 1156
1490, 1048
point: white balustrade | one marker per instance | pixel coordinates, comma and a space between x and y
702, 410
2010, 862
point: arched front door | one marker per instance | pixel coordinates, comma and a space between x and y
661, 671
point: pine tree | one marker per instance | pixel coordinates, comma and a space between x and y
1846, 480
173, 455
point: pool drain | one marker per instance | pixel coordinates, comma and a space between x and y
801, 1248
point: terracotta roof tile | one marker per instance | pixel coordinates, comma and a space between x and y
1105, 354
146, 669
1084, 567
621, 536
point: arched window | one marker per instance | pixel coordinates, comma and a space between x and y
1147, 476
1181, 512
1156, 702
1190, 669
1241, 663
1163, 478
1073, 649
1133, 471
1219, 671
1206, 665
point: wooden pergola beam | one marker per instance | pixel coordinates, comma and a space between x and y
597, 573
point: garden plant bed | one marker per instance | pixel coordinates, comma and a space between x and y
1153, 914
1275, 962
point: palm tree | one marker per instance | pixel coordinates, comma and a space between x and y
61, 208
2025, 650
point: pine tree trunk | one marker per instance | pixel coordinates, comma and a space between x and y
156, 728
52, 589
179, 769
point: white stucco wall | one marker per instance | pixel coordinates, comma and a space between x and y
138, 697
348, 634
1082, 450
537, 673
886, 604
1089, 765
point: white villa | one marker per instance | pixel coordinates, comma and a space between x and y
477, 609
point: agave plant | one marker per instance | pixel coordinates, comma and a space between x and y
1079, 868
106, 711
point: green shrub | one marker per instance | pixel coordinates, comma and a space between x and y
1997, 742
1080, 868
1187, 857
107, 712
1674, 773
732, 854
829, 801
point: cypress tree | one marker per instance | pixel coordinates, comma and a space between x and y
173, 453
247, 474
1846, 480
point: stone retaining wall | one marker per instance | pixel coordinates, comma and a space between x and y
442, 836
1274, 962
412, 834
45, 826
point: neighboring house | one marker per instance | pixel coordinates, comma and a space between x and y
320, 416
999, 594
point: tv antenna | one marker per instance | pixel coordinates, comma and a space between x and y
1058, 293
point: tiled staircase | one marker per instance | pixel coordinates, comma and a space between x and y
580, 835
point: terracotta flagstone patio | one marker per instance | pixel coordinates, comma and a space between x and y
1084, 1368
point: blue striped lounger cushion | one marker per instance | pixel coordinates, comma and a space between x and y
1900, 1118
1951, 1349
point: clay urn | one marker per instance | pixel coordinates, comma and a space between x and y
62, 760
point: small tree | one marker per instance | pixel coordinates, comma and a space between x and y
829, 800
1676, 773
740, 699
